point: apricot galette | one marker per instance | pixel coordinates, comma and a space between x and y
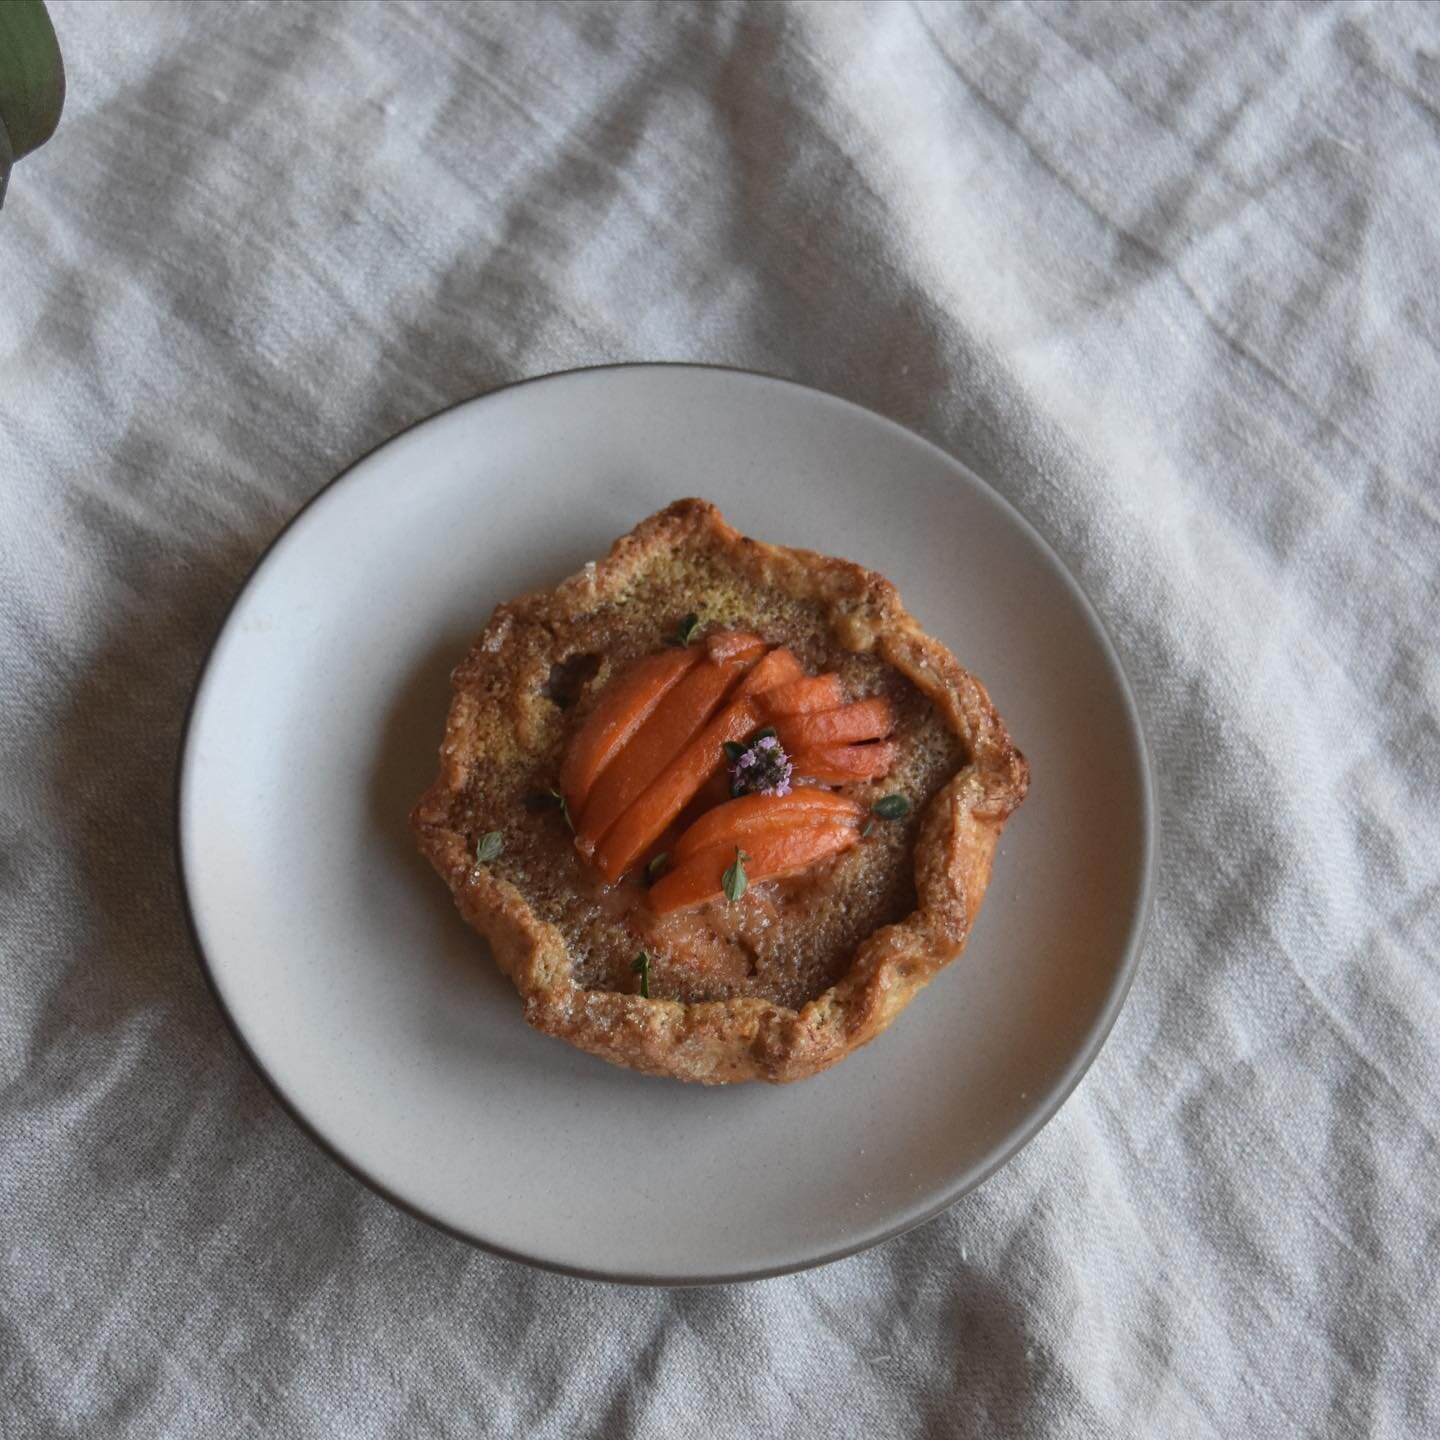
721, 808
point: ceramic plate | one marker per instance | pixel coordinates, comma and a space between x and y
379, 1018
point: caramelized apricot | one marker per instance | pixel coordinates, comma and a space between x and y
668, 794
769, 855
624, 706
735, 822
844, 764
805, 696
860, 720
655, 744
726, 645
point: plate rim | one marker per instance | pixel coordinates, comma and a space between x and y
1079, 1065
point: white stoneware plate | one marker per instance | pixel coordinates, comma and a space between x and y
379, 1018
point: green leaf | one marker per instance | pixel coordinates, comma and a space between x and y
655, 866
733, 750
733, 881
685, 630
32, 81
768, 733
641, 966
892, 807
562, 805
488, 847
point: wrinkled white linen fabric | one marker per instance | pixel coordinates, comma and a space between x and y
1168, 276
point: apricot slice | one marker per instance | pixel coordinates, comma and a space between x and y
655, 744
843, 764
737, 821
860, 720
637, 829
642, 823
726, 645
770, 854
715, 791
805, 696
778, 668
624, 706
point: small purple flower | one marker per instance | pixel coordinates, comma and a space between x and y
761, 768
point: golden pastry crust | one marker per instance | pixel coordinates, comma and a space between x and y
499, 716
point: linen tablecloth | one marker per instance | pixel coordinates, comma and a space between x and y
1167, 275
